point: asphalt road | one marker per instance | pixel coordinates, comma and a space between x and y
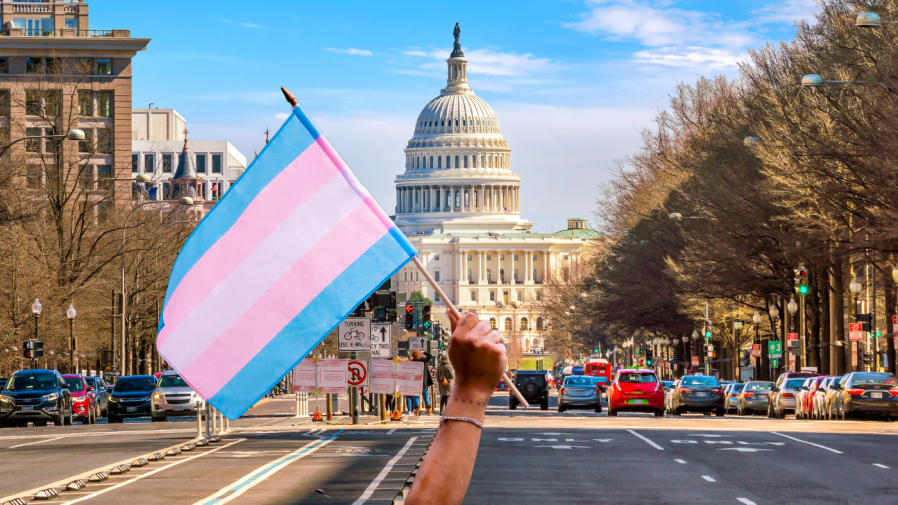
528, 455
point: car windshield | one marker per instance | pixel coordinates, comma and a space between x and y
667, 384
699, 381
31, 381
131, 384
737, 388
638, 378
873, 378
579, 381
92, 382
794, 383
758, 386
835, 382
173, 381
75, 383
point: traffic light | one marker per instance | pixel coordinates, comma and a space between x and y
383, 304
391, 308
707, 329
33, 349
865, 320
409, 317
444, 339
425, 317
648, 356
795, 347
801, 281
868, 358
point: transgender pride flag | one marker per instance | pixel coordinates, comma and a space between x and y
292, 248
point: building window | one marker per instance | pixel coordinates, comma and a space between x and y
33, 176
502, 276
431, 162
515, 275
448, 164
33, 103
534, 274
467, 199
473, 296
135, 160
104, 66
104, 177
539, 323
53, 103
86, 178
520, 296
166, 163
466, 161
539, 295
501, 257
507, 324
216, 163
456, 162
515, 257
436, 257
104, 104
33, 145
492, 296
436, 297
87, 146
201, 163
534, 257
524, 326
436, 275
457, 199
53, 65
85, 104
469, 275
439, 162
33, 66
489, 275
86, 65
469, 257
166, 190
564, 257
104, 140
149, 162
493, 323
505, 297
71, 23
4, 65
488, 257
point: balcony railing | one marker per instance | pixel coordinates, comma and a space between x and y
63, 32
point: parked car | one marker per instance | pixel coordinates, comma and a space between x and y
774, 392
174, 397
38, 396
581, 391
698, 393
805, 398
872, 392
731, 396
784, 396
819, 397
666, 385
636, 390
829, 398
101, 390
753, 397
84, 401
533, 387
668, 395
131, 397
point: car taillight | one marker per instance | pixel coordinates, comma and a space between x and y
562, 392
855, 391
893, 392
788, 395
747, 394
716, 390
685, 391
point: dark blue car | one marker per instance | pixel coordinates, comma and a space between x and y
131, 397
37, 396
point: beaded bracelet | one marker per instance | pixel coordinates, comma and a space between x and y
465, 419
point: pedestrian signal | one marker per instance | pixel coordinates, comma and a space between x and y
409, 317
425, 317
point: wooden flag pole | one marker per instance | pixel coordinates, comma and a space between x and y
457, 314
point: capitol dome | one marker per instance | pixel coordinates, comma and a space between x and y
458, 165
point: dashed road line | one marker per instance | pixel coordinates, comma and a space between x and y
806, 442
708, 478
880, 466
653, 444
38, 442
680, 461
391, 431
746, 501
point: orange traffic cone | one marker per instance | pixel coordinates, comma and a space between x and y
395, 415
316, 416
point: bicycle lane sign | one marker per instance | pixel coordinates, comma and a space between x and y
354, 334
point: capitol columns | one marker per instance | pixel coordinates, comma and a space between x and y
481, 278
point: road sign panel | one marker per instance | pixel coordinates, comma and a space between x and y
112, 373
775, 362
381, 341
354, 334
358, 373
774, 348
383, 376
331, 375
894, 322
417, 344
304, 376
791, 336
855, 331
695, 361
756, 350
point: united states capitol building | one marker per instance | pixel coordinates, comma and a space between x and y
459, 203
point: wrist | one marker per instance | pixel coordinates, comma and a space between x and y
465, 402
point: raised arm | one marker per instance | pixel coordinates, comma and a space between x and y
478, 358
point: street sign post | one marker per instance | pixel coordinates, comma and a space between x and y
381, 341
358, 373
756, 350
774, 348
112, 373
695, 361
331, 375
354, 334
775, 362
855, 331
304, 377
417, 344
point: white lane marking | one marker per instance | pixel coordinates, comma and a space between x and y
806, 442
880, 466
135, 479
391, 431
653, 444
267, 470
383, 473
38, 442
680, 461
708, 478
746, 501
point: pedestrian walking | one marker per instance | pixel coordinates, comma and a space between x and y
444, 380
427, 382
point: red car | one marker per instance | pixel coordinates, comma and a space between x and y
636, 390
84, 400
805, 398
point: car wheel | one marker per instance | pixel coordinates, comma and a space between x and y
721, 412
677, 411
599, 408
612, 412
56, 422
544, 405
659, 413
561, 409
111, 419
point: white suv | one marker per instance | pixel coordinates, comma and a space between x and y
174, 397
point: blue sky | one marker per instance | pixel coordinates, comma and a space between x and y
572, 81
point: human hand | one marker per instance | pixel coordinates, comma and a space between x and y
477, 355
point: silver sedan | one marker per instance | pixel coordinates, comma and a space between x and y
753, 397
580, 392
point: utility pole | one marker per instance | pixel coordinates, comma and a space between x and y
707, 342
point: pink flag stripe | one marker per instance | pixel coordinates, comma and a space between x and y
249, 280
294, 291
302, 178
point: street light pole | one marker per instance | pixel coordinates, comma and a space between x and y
36, 308
855, 288
71, 313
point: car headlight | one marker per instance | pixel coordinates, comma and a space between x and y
7, 398
157, 396
50, 397
113, 399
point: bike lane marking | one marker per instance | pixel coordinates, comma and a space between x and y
383, 473
806, 442
653, 444
38, 442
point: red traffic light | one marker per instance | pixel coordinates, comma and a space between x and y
409, 308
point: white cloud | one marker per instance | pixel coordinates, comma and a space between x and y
415, 53
788, 11
281, 116
490, 62
691, 57
351, 50
250, 25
